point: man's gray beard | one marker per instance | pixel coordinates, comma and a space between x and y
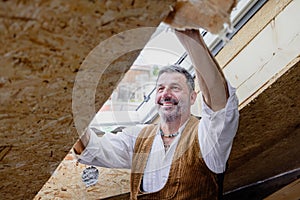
174, 116
170, 118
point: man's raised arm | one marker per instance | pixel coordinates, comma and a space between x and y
209, 74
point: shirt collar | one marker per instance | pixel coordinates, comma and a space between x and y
179, 130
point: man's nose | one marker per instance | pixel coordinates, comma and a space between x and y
166, 92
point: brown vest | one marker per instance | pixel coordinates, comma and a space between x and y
189, 177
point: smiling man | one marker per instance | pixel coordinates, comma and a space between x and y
180, 157
174, 93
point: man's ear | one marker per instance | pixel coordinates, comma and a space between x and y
193, 97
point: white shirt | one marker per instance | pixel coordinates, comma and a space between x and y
216, 131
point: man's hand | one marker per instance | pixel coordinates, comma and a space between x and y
81, 143
191, 33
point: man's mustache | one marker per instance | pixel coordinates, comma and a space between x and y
168, 100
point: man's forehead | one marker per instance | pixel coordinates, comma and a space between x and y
171, 77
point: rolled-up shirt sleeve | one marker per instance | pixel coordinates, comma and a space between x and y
110, 150
216, 132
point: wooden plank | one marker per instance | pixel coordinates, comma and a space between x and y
66, 183
254, 66
289, 192
249, 31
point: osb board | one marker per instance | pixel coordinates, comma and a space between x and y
267, 141
66, 183
43, 44
210, 15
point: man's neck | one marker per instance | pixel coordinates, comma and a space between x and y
172, 127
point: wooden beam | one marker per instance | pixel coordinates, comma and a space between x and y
290, 192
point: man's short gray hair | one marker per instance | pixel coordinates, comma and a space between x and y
176, 68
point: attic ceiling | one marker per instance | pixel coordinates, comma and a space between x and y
43, 45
